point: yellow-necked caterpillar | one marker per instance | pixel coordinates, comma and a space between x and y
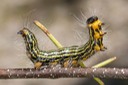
62, 55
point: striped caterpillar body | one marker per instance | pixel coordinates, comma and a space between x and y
64, 55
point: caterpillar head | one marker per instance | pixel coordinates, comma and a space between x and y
95, 25
92, 19
94, 22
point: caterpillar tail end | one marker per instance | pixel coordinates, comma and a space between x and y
20, 32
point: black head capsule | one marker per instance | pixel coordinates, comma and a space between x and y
92, 19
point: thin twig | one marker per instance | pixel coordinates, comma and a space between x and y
114, 73
104, 63
51, 37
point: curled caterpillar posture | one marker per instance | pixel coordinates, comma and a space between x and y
63, 55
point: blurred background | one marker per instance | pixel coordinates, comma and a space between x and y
66, 20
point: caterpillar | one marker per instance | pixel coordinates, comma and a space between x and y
62, 56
